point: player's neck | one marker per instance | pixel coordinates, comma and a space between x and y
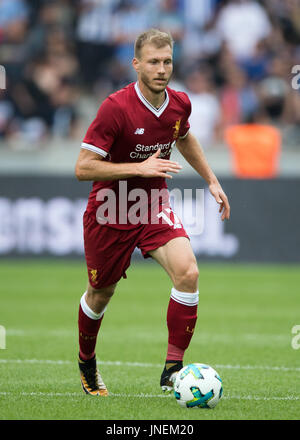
155, 99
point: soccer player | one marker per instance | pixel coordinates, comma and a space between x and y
129, 143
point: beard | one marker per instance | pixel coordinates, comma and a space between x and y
152, 86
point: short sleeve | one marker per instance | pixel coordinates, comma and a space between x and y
185, 126
104, 129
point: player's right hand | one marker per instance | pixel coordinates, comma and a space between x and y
156, 167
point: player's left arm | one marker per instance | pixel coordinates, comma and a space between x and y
192, 151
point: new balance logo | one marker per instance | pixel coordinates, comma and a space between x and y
139, 131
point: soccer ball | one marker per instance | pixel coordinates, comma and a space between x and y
198, 386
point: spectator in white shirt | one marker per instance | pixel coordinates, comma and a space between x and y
241, 25
205, 118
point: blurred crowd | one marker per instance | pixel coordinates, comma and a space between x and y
233, 57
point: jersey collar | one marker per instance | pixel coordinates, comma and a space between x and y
156, 111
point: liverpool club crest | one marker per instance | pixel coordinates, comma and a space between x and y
176, 129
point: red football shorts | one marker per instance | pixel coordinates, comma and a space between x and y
108, 250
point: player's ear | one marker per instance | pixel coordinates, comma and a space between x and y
135, 64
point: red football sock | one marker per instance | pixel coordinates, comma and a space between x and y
88, 324
174, 353
181, 321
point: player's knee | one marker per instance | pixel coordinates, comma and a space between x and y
101, 295
187, 280
98, 299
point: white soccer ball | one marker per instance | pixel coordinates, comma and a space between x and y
198, 386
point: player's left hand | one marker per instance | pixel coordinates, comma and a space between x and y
221, 198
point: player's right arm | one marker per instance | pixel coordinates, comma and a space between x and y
91, 166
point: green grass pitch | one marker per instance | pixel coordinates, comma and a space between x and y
244, 330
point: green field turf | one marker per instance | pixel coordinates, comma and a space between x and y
244, 330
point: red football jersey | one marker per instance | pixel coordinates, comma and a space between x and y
128, 128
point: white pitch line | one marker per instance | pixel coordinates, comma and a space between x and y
262, 397
146, 396
257, 367
148, 365
80, 394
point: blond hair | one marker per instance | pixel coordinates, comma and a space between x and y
152, 36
